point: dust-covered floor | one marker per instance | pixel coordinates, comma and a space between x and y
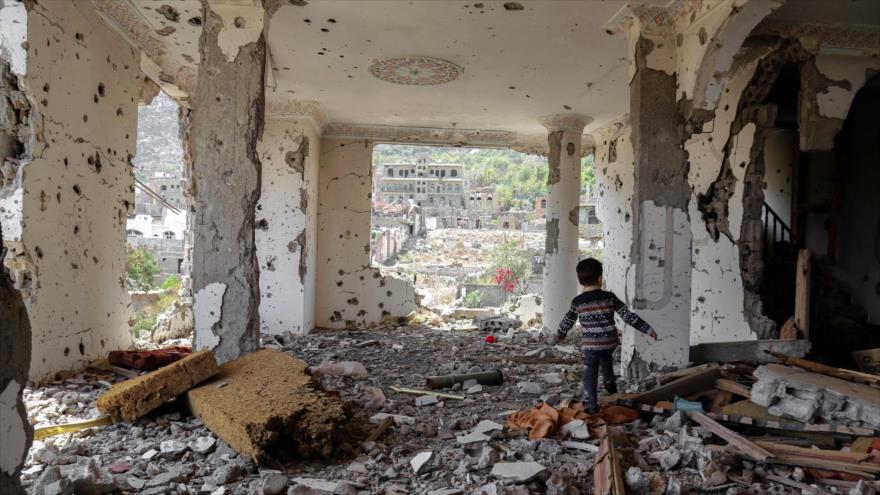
172, 452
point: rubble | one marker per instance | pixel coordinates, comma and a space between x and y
133, 398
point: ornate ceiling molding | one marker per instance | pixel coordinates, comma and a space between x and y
415, 70
309, 109
657, 19
421, 135
124, 17
853, 37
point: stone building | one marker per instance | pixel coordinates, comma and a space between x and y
432, 186
702, 115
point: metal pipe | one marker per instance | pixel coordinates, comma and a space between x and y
493, 377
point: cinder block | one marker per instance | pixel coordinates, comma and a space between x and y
131, 399
266, 405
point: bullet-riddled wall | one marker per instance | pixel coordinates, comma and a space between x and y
350, 292
64, 213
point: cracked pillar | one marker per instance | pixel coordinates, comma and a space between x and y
227, 124
563, 202
660, 255
287, 224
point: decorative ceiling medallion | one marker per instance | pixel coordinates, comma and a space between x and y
416, 71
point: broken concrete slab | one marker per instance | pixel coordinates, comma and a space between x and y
473, 437
421, 462
811, 397
575, 428
530, 388
517, 471
485, 426
270, 406
748, 350
426, 400
399, 419
131, 399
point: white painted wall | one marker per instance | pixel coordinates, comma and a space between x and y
350, 292
288, 206
73, 212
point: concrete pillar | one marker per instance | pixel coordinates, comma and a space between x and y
287, 225
227, 124
563, 202
661, 232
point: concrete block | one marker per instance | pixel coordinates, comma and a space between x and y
748, 350
269, 406
133, 398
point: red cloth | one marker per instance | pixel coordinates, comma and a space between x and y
148, 360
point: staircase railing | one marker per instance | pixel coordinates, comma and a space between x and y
776, 230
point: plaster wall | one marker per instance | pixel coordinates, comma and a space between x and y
287, 221
350, 292
716, 281
66, 235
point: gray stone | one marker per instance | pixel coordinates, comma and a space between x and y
52, 482
575, 428
474, 389
204, 445
274, 484
636, 480
668, 459
226, 473
488, 457
473, 437
517, 471
486, 426
426, 400
421, 462
552, 378
529, 388
345, 488
172, 449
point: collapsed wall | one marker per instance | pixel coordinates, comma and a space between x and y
350, 292
67, 193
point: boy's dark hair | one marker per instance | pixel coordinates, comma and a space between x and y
589, 271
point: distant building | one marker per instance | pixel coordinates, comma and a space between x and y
158, 227
432, 186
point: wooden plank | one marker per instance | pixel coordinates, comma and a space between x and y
733, 387
682, 387
834, 455
607, 474
375, 434
865, 471
802, 293
803, 487
734, 439
824, 369
721, 400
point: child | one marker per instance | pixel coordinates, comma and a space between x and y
595, 309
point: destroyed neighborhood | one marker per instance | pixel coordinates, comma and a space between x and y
373, 247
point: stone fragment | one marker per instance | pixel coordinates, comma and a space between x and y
668, 459
172, 449
204, 445
530, 388
351, 369
473, 437
226, 474
52, 482
150, 454
316, 484
274, 484
421, 462
488, 457
399, 419
475, 389
552, 378
636, 480
426, 400
270, 400
586, 447
519, 471
576, 428
446, 491
131, 399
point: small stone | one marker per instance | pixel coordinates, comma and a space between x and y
274, 484
426, 400
519, 471
172, 449
668, 459
469, 383
472, 437
577, 429
150, 454
225, 474
636, 480
204, 445
357, 467
390, 474
486, 426
398, 418
552, 378
118, 467
529, 388
475, 389
345, 488
673, 423
488, 457
446, 491
421, 462
53, 482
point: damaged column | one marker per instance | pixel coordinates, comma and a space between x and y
228, 122
563, 202
661, 237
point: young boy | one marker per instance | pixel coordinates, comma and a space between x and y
595, 309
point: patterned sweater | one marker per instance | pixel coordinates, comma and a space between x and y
595, 309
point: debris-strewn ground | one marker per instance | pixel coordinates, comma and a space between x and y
172, 452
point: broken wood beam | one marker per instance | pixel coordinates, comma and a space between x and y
831, 455
380, 430
802, 293
682, 387
607, 474
733, 387
734, 439
131, 399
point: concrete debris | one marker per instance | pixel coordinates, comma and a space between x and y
575, 428
274, 484
473, 437
811, 397
270, 400
530, 388
204, 445
493, 323
427, 400
517, 471
133, 398
349, 369
421, 462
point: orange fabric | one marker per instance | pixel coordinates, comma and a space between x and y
543, 420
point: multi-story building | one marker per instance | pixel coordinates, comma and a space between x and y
432, 186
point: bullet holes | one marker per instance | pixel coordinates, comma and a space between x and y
513, 6
239, 22
101, 90
79, 37
169, 12
194, 21
77, 189
39, 251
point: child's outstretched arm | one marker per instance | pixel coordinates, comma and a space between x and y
633, 319
566, 323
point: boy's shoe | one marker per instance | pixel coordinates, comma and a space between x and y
611, 388
590, 409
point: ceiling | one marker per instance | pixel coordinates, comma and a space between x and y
553, 56
850, 12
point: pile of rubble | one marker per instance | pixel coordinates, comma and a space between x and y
691, 431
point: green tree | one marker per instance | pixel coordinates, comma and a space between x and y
141, 267
509, 257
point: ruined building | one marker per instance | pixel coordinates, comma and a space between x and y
727, 134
